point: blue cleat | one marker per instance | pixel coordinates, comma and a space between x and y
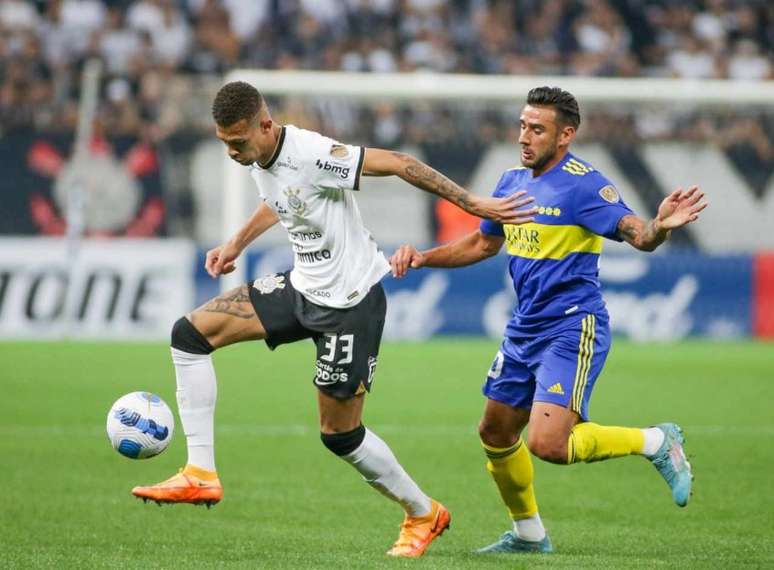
509, 542
671, 463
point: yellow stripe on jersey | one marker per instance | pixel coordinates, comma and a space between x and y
517, 168
581, 361
585, 354
544, 241
593, 326
576, 167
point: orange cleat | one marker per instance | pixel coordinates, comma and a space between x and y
416, 533
191, 485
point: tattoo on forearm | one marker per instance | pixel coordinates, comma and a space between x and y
235, 302
628, 228
650, 235
642, 235
433, 181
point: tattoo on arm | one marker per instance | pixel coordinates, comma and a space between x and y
629, 228
651, 236
235, 302
641, 234
426, 178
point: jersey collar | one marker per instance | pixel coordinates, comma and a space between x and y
277, 151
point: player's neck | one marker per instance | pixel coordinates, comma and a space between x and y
271, 151
558, 157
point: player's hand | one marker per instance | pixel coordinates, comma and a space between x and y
405, 257
220, 260
508, 210
680, 208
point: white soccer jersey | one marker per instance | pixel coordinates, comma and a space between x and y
308, 182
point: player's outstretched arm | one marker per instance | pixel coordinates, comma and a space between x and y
221, 260
467, 250
508, 210
677, 210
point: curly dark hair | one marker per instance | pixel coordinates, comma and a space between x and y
563, 102
236, 101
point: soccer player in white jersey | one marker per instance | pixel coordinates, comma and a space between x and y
332, 295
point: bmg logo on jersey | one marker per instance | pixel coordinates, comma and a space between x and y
342, 171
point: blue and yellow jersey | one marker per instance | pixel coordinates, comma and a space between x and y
554, 260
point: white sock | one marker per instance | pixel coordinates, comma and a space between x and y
379, 467
197, 391
654, 437
530, 529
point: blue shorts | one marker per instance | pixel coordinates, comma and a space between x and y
558, 369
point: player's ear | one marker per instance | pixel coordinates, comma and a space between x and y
264, 124
566, 135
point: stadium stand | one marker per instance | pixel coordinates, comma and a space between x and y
164, 58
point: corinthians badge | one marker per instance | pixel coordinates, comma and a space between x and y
269, 283
296, 204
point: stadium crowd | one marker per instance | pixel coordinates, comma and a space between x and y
162, 58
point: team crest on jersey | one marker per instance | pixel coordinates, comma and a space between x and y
296, 204
288, 163
339, 151
609, 194
269, 283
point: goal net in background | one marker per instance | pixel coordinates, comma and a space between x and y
647, 135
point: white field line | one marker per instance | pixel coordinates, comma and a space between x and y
284, 430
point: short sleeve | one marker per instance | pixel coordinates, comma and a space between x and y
336, 165
489, 227
599, 207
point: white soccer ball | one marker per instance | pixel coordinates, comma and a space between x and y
140, 425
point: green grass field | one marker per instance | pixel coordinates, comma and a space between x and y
290, 504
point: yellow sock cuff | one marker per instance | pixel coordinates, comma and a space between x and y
495, 453
511, 469
203, 474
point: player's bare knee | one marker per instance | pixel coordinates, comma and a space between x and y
494, 435
186, 337
228, 318
208, 327
547, 448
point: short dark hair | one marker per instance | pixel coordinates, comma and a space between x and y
236, 101
563, 102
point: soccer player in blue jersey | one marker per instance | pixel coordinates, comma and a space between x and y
558, 337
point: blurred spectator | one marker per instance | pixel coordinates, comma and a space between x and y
18, 15
215, 46
539, 47
711, 24
172, 38
430, 51
603, 40
495, 38
747, 62
81, 18
245, 16
145, 16
119, 44
692, 60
